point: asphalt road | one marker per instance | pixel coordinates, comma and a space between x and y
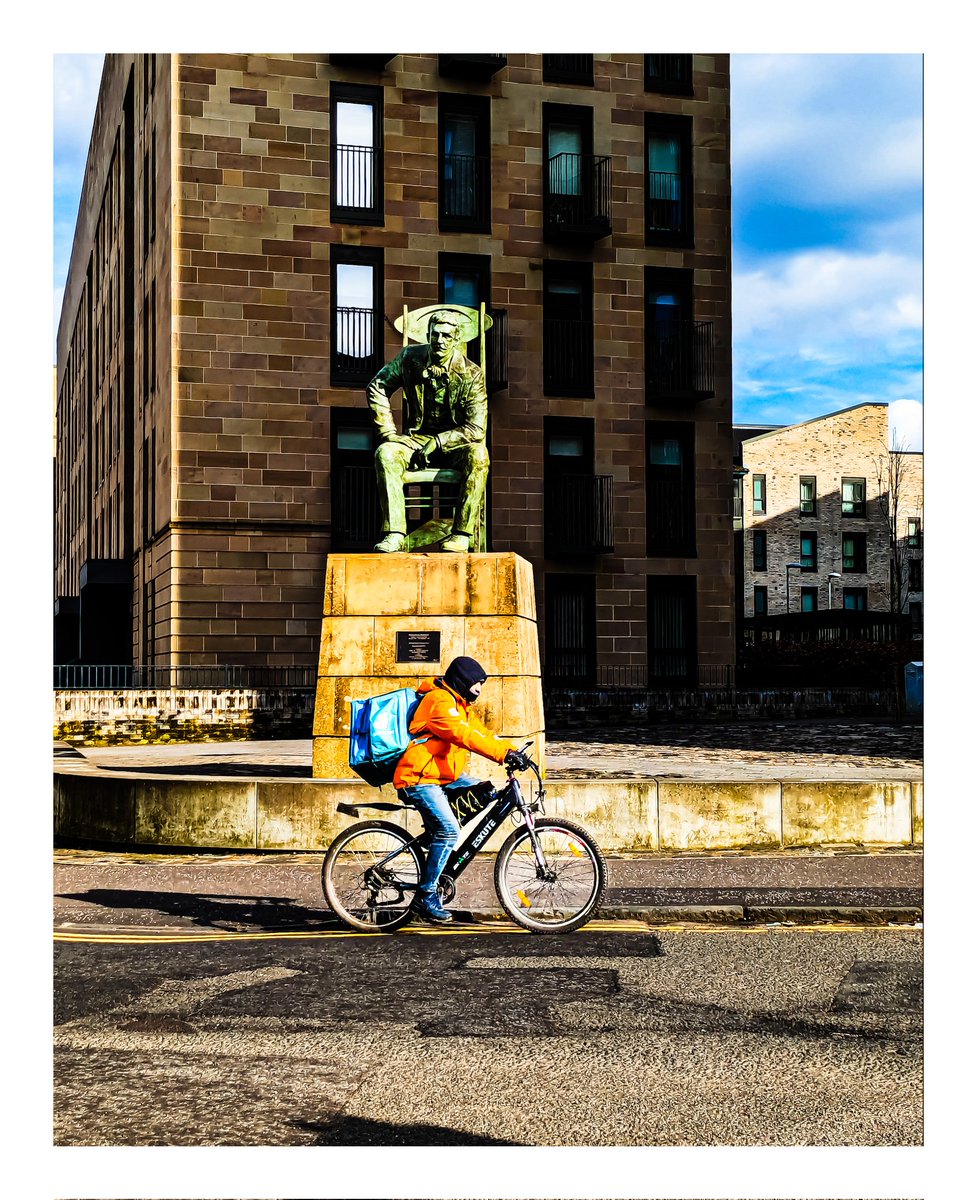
479, 1037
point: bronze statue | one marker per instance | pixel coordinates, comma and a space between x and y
445, 414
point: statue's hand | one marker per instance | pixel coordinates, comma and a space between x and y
427, 447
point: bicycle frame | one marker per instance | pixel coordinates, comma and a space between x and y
506, 801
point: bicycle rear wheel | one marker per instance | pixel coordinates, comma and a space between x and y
567, 893
364, 894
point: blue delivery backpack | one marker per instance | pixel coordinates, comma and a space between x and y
379, 733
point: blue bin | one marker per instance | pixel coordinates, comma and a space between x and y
914, 689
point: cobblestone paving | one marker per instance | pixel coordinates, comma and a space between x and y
824, 750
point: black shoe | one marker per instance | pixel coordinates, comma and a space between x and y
431, 910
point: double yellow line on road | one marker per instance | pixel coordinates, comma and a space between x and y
155, 939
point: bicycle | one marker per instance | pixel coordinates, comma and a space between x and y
549, 875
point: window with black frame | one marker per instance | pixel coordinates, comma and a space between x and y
855, 599
809, 599
576, 183
571, 630
669, 74
759, 550
808, 550
465, 163
853, 553
670, 488
568, 329
569, 68
760, 608
853, 497
578, 517
809, 496
668, 180
466, 279
678, 349
354, 500
672, 630
356, 154
356, 316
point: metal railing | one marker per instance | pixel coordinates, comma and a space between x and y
668, 71
466, 188
634, 677
667, 210
578, 195
153, 677
680, 360
568, 357
476, 65
356, 356
497, 350
568, 68
355, 508
579, 515
354, 177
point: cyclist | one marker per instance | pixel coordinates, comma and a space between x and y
444, 729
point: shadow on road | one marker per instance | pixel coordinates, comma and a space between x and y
226, 913
359, 1131
220, 769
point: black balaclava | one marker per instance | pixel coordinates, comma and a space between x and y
461, 673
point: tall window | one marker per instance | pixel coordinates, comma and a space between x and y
853, 553
568, 329
855, 599
760, 608
352, 480
671, 630
670, 483
808, 556
568, 133
759, 550
670, 74
915, 574
809, 496
356, 314
678, 350
809, 599
578, 514
759, 493
356, 157
668, 186
914, 538
465, 175
853, 497
571, 630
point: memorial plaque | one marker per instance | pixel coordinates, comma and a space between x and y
419, 647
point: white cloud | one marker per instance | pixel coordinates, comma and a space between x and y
826, 305
906, 424
825, 129
76, 80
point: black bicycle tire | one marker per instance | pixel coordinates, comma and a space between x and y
336, 846
586, 913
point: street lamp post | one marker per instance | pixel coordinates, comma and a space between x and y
831, 575
791, 567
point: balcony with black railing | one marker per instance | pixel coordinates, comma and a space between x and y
568, 357
466, 191
667, 209
568, 68
670, 73
355, 507
356, 190
470, 66
577, 198
579, 516
356, 352
679, 361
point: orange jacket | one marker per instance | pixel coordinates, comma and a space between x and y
453, 730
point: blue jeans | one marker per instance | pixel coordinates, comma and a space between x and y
441, 823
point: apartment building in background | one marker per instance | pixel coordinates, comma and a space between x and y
250, 227
832, 504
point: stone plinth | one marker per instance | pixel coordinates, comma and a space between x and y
482, 605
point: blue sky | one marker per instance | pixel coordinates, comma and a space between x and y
827, 228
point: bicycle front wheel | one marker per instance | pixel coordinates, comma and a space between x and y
566, 892
370, 876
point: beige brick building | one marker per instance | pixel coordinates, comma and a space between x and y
823, 494
250, 227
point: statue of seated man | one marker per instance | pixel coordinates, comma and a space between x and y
445, 414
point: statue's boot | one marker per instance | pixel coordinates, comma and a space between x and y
456, 544
391, 543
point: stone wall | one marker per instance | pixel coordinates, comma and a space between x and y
131, 717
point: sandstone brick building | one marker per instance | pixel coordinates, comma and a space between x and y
250, 227
831, 495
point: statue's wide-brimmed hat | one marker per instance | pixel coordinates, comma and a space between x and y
417, 321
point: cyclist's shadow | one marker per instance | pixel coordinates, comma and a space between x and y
225, 913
